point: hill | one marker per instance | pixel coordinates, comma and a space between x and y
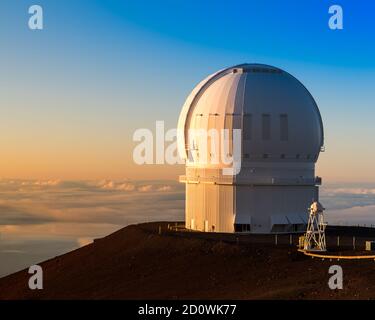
137, 262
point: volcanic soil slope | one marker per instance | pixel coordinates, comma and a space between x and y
137, 262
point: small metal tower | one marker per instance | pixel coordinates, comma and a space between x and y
315, 239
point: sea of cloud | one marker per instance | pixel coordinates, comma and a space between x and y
42, 219
349, 204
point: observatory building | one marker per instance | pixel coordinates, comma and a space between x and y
280, 140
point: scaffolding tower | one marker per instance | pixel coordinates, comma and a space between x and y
315, 239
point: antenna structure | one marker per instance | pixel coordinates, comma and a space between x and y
315, 239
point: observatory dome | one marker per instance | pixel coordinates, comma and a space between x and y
279, 118
273, 127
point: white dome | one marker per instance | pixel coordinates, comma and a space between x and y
279, 118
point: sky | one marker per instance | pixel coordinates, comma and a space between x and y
72, 95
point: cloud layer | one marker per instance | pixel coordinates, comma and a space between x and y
44, 218
59, 216
351, 204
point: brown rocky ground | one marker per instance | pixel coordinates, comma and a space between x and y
138, 263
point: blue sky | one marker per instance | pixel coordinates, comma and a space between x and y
101, 69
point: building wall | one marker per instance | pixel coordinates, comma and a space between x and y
258, 204
209, 207
214, 207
